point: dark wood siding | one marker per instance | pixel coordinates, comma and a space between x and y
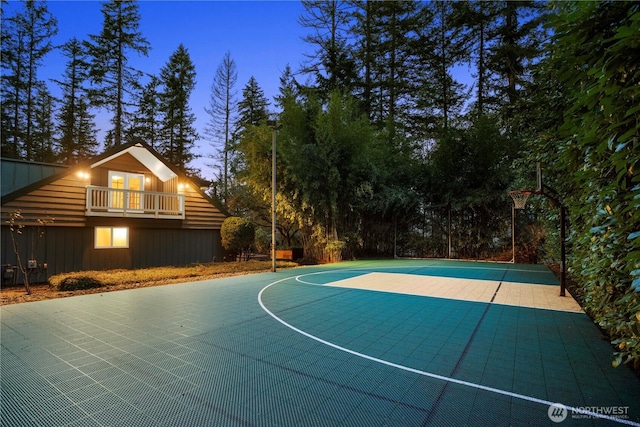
63, 200
67, 249
200, 213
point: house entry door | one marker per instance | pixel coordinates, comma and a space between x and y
127, 188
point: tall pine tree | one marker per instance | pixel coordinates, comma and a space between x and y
332, 64
289, 87
178, 78
26, 40
517, 44
77, 139
146, 122
253, 109
43, 133
441, 98
116, 82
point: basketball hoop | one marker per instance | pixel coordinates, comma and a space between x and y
520, 198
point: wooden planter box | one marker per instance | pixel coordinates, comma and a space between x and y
289, 254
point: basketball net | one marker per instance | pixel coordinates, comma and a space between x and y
520, 198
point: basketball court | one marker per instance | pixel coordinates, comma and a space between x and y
367, 343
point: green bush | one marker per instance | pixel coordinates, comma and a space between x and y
262, 241
77, 283
596, 157
238, 235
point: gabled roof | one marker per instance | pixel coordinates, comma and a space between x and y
16, 174
147, 158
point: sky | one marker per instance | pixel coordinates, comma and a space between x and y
261, 36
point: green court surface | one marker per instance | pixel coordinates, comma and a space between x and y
294, 349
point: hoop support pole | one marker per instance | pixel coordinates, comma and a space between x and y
555, 197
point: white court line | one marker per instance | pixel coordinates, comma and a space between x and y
580, 411
496, 266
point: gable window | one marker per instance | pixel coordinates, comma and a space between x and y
126, 190
111, 237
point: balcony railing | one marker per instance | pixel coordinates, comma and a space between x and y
104, 201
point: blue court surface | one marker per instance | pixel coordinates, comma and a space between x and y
310, 347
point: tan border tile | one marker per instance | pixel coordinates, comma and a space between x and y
516, 294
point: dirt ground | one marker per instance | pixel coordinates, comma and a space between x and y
42, 291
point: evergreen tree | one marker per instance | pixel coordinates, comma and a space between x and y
43, 133
331, 64
289, 87
221, 111
365, 30
253, 108
77, 139
386, 36
26, 40
440, 97
146, 123
12, 87
397, 21
115, 81
86, 130
476, 21
518, 38
252, 113
178, 133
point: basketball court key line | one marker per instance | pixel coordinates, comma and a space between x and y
444, 267
424, 373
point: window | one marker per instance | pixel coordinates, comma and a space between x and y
127, 186
111, 237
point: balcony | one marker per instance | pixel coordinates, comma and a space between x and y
111, 202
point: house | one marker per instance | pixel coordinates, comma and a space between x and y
127, 208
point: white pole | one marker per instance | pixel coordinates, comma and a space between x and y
273, 201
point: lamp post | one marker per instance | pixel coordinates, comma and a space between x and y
273, 124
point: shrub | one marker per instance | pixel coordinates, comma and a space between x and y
77, 283
262, 241
157, 275
238, 235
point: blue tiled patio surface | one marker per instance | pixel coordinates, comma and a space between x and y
207, 354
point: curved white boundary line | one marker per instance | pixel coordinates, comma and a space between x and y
424, 373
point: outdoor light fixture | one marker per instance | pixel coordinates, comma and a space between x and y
83, 175
273, 124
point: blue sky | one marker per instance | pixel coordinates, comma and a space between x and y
262, 37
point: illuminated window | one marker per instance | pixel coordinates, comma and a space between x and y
117, 197
111, 237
